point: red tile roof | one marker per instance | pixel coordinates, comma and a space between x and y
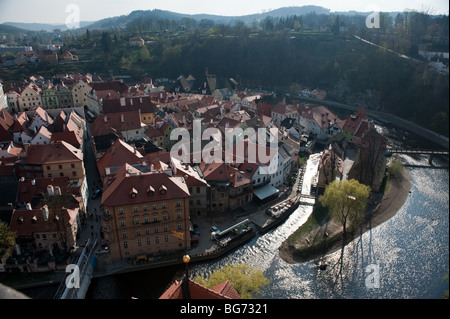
142, 103
118, 154
127, 177
197, 291
124, 121
59, 152
28, 222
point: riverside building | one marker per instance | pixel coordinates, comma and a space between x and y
146, 212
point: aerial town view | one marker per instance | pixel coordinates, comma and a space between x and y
202, 150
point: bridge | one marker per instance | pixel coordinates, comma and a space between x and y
79, 275
417, 152
431, 153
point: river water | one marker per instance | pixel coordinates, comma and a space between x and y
405, 257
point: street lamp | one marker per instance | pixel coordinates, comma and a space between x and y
185, 284
186, 260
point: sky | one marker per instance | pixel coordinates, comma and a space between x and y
51, 11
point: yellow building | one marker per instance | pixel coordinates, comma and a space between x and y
146, 213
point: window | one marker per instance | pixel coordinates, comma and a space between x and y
198, 190
154, 206
165, 216
156, 229
156, 240
147, 231
61, 174
120, 210
135, 209
74, 173
166, 238
178, 203
136, 219
122, 222
48, 168
125, 244
72, 165
163, 204
124, 234
139, 243
155, 218
144, 208
179, 225
166, 227
148, 241
146, 219
60, 166
178, 213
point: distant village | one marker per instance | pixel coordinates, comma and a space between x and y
52, 130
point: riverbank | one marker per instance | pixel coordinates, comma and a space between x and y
325, 237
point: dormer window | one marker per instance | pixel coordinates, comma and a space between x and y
133, 192
163, 190
150, 191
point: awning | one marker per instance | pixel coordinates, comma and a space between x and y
265, 191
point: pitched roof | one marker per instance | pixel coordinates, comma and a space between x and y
153, 132
27, 222
353, 122
197, 291
59, 152
32, 188
127, 177
127, 104
112, 122
214, 171
323, 117
119, 153
118, 86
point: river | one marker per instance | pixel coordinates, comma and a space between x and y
407, 256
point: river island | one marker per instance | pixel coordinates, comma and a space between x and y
321, 236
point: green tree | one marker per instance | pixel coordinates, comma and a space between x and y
7, 239
246, 280
396, 168
346, 201
106, 42
144, 54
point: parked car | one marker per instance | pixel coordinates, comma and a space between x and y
214, 229
96, 193
196, 230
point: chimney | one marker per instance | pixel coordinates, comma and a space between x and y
105, 119
131, 102
58, 190
50, 190
29, 206
122, 118
45, 212
122, 101
33, 182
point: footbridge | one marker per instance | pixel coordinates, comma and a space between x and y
430, 153
79, 275
416, 152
